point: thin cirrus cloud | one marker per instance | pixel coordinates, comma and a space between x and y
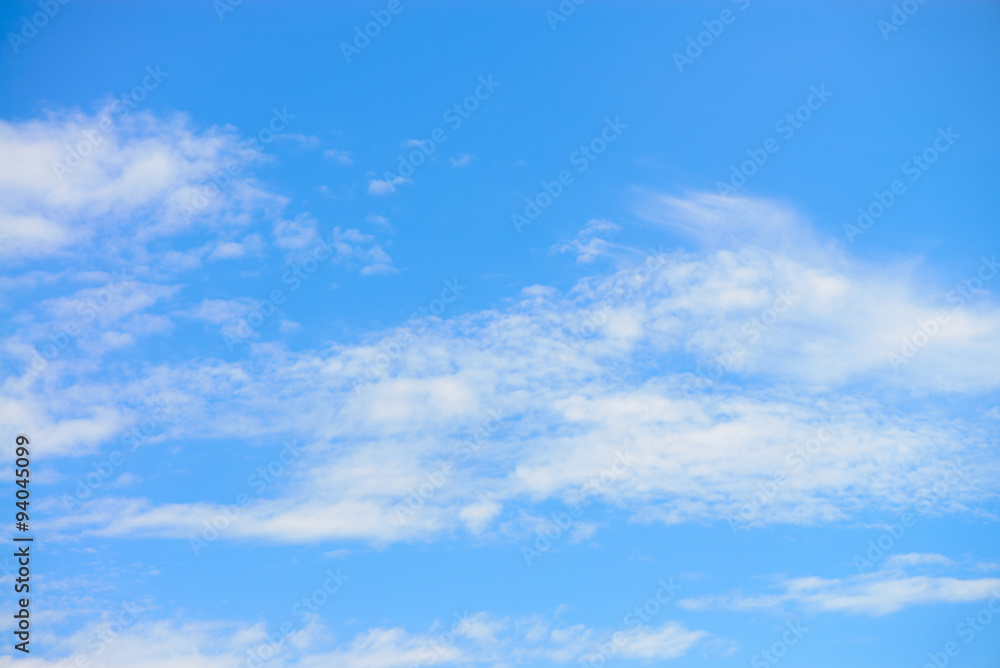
874, 594
707, 430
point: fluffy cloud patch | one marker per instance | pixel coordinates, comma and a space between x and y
72, 180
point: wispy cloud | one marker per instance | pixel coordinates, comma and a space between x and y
548, 360
478, 639
338, 156
874, 594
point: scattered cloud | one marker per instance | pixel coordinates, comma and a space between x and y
572, 372
251, 245
305, 141
297, 234
380, 221
384, 187
477, 639
587, 245
338, 156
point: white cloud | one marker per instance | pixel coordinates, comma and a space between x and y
303, 140
605, 368
916, 559
847, 316
162, 644
386, 648
252, 244
73, 182
227, 250
876, 594
384, 187
221, 311
587, 245
463, 160
478, 639
297, 233
380, 221
75, 433
10, 285
669, 641
110, 303
354, 248
338, 156
482, 639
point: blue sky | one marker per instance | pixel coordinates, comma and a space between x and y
515, 333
